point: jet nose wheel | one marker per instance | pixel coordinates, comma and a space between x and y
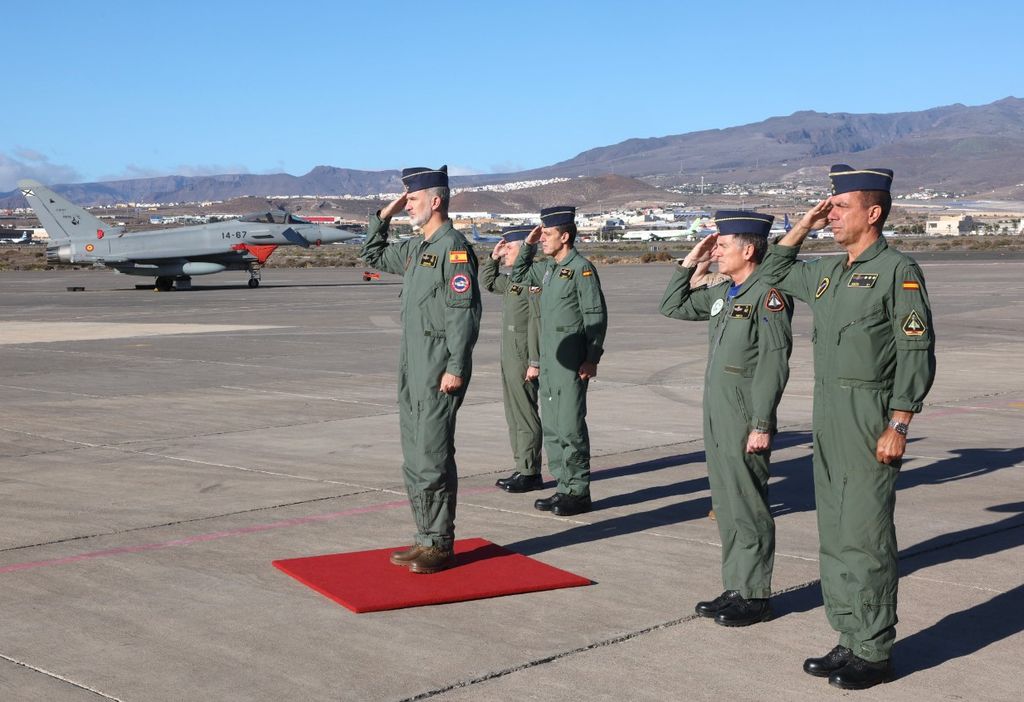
254, 283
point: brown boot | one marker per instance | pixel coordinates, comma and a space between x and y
404, 558
432, 560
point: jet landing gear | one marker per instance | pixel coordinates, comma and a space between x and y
255, 273
165, 282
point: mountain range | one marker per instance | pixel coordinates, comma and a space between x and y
955, 148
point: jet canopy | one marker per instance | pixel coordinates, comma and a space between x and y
275, 217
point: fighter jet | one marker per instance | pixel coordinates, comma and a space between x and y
171, 256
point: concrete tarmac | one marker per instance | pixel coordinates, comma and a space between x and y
159, 450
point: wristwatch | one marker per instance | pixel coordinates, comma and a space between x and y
899, 427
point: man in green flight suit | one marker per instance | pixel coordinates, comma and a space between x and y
440, 324
520, 361
748, 366
573, 323
874, 362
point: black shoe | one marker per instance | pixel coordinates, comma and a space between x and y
860, 674
517, 482
713, 607
571, 504
546, 504
829, 663
744, 612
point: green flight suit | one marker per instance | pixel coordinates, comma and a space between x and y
440, 302
874, 352
520, 349
573, 323
748, 365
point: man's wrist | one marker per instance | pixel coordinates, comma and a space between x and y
899, 427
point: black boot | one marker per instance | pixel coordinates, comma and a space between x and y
860, 674
744, 612
712, 607
570, 505
517, 482
546, 504
829, 663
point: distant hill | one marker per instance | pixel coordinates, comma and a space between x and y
955, 148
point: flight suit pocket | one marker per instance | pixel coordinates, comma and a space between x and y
433, 317
741, 404
863, 342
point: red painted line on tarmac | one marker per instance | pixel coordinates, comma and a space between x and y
214, 536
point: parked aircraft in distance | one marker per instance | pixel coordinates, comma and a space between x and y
25, 237
479, 238
171, 256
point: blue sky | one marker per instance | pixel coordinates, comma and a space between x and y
113, 90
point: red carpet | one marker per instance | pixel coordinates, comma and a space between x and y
365, 581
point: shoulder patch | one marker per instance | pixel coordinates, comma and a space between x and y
460, 283
822, 287
773, 301
566, 273
535, 289
587, 272
911, 285
913, 325
516, 289
458, 257
717, 306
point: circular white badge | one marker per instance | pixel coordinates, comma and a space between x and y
717, 307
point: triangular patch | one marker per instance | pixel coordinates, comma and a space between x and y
913, 326
773, 301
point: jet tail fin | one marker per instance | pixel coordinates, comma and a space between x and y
62, 220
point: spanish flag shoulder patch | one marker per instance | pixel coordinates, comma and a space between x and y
458, 257
911, 285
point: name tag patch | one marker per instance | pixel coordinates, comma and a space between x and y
458, 257
566, 273
822, 287
741, 311
428, 260
862, 280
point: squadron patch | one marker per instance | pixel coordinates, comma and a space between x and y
913, 325
822, 287
535, 289
458, 257
911, 285
428, 260
517, 289
459, 283
717, 307
773, 301
741, 311
862, 280
566, 273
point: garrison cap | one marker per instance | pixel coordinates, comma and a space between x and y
420, 178
743, 222
558, 215
846, 179
516, 233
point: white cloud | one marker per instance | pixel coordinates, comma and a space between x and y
28, 163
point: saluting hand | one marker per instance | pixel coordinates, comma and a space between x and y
499, 250
394, 207
534, 235
817, 216
701, 253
